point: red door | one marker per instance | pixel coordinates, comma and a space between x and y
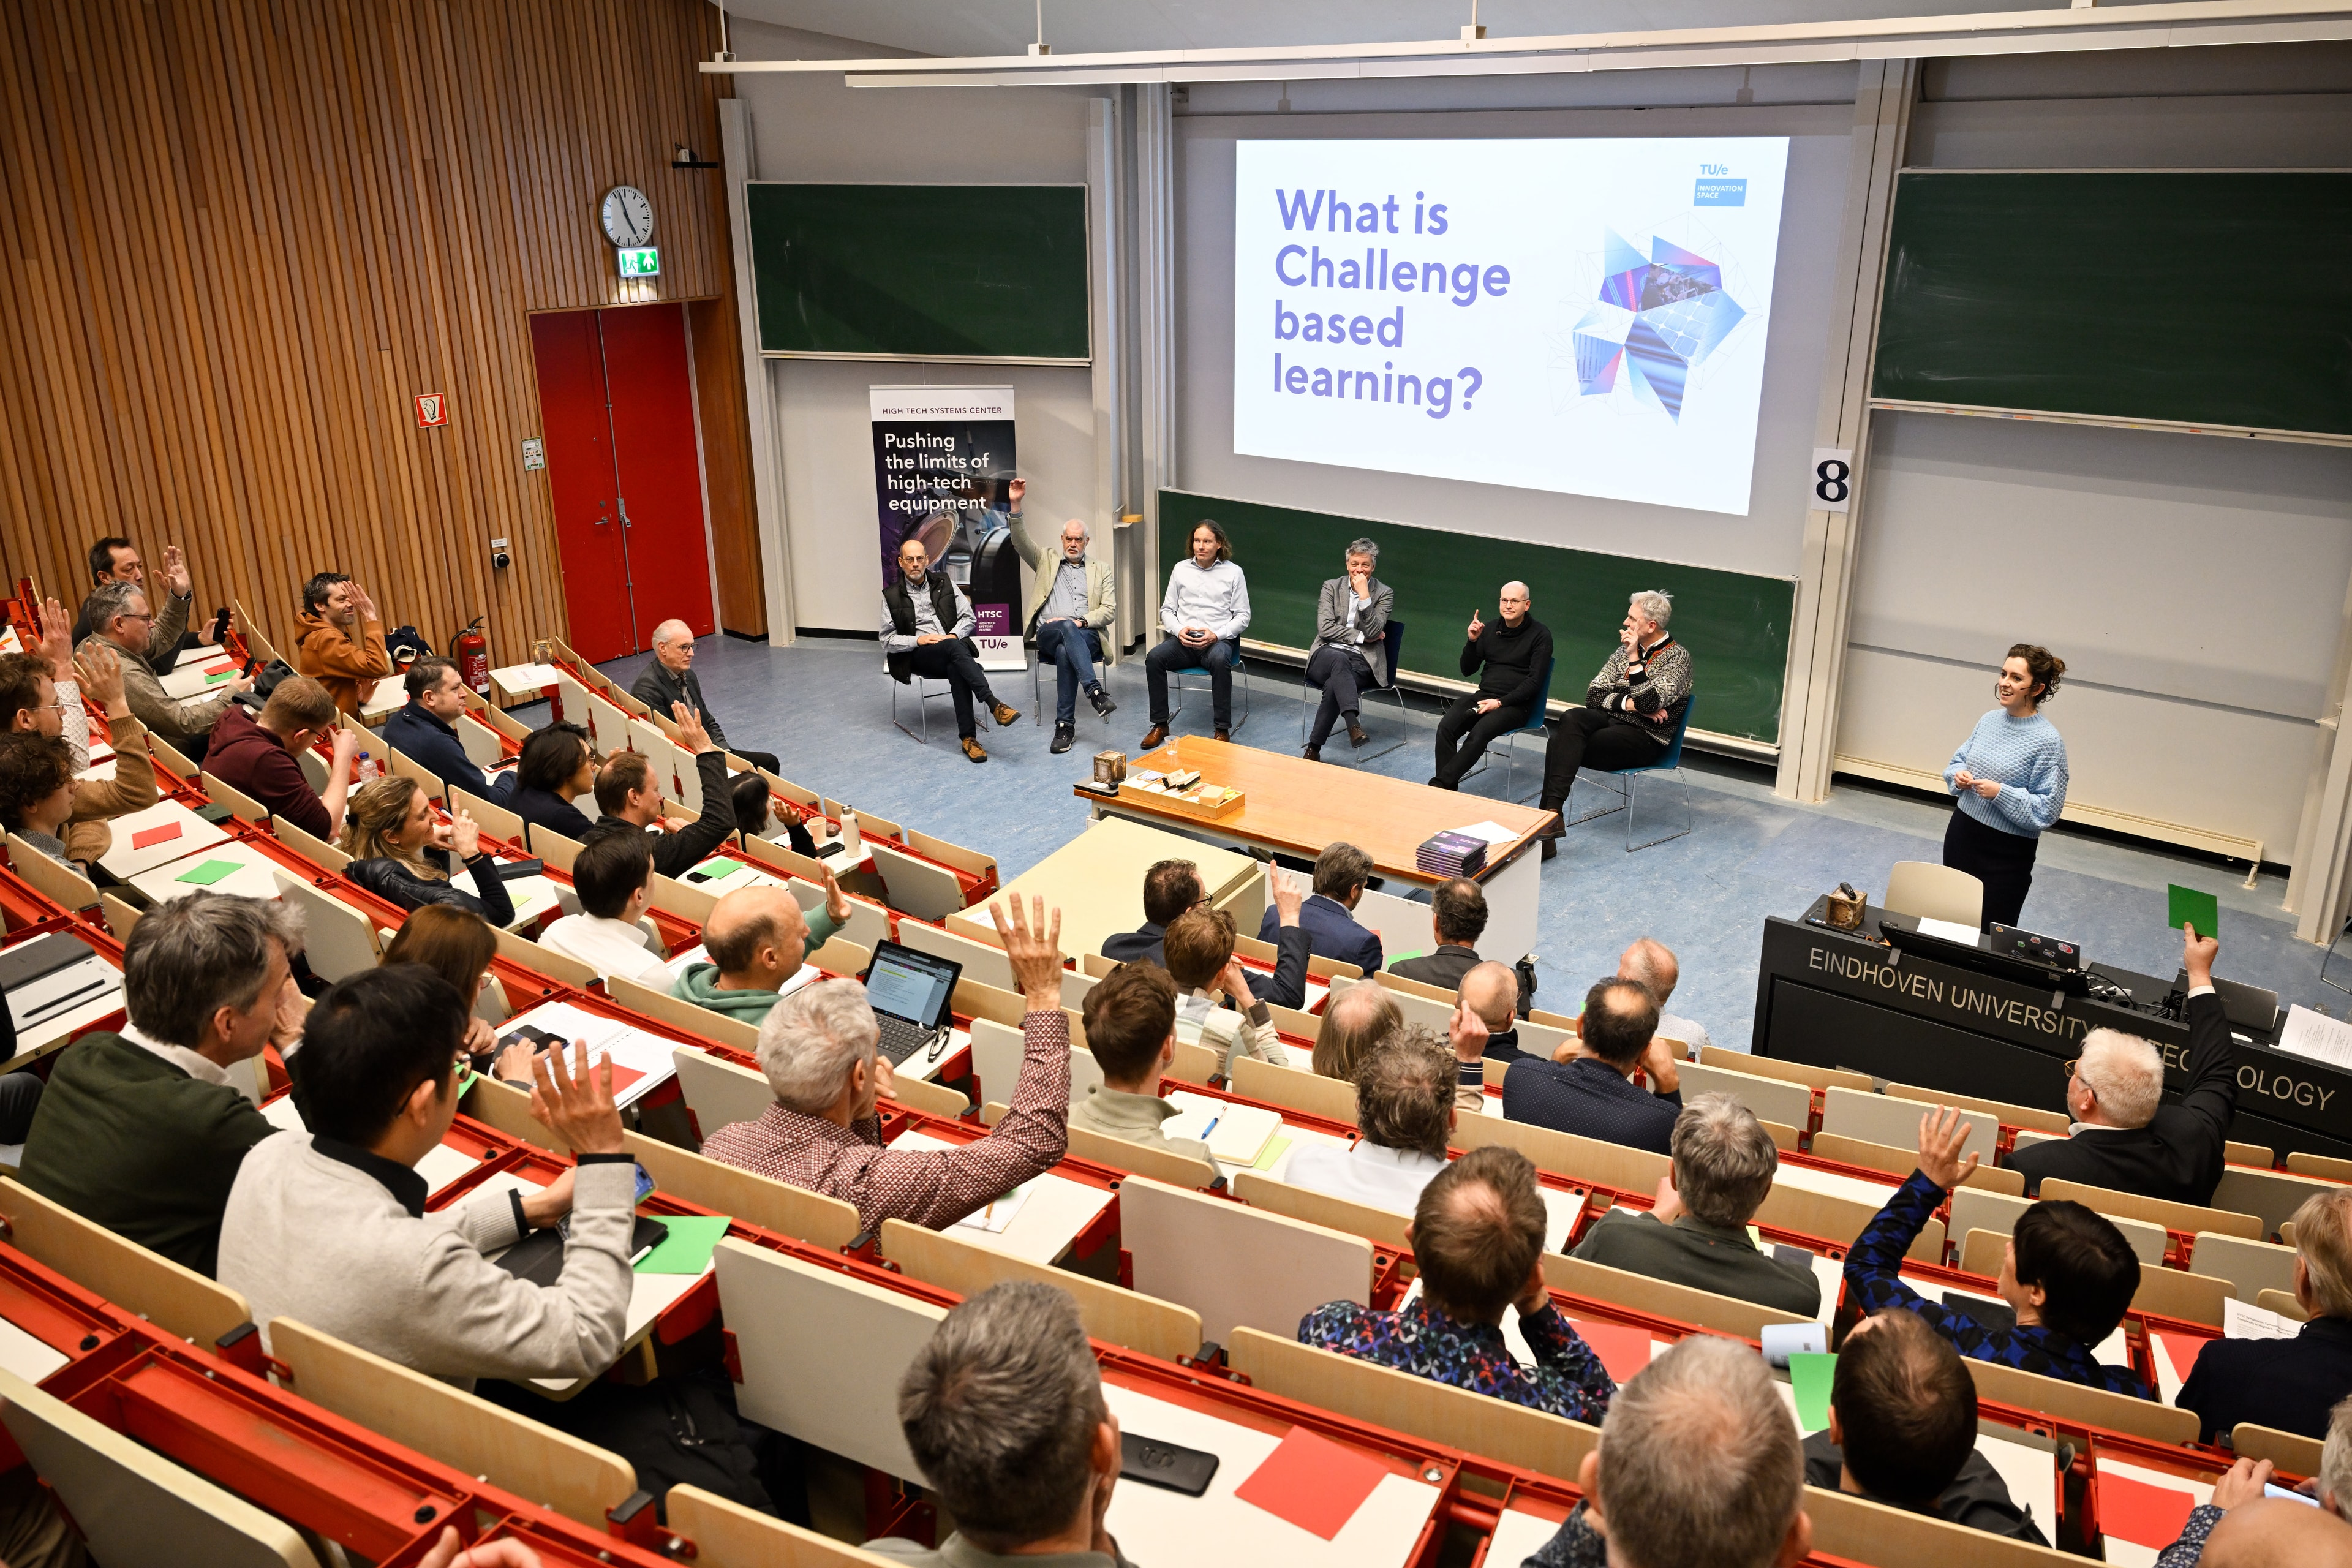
616, 406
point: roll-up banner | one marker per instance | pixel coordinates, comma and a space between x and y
942, 460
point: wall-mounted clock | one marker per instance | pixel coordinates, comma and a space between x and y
628, 216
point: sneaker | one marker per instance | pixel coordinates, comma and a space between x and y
1064, 735
974, 750
1153, 737
1006, 717
1312, 754
1103, 704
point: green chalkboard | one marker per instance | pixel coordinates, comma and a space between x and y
958, 272
1736, 626
2205, 298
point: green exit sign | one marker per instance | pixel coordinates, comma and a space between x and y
643, 262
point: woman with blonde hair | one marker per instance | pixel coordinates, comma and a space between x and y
400, 848
2292, 1385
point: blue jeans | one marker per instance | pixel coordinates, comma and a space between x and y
1073, 650
1218, 659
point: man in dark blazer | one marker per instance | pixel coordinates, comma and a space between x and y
2289, 1385
2124, 1138
1341, 873
1172, 887
1592, 1094
669, 680
1458, 911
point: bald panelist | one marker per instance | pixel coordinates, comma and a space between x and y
670, 678
1511, 656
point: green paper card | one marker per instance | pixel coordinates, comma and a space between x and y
216, 678
687, 1249
211, 871
1396, 957
1810, 1377
2202, 911
1271, 1155
717, 868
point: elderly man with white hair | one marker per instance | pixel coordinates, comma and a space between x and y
1698, 1462
1631, 708
1072, 602
2123, 1137
819, 1051
1511, 658
669, 679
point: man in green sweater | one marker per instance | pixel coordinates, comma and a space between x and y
142, 1132
757, 938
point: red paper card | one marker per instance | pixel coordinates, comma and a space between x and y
2184, 1349
621, 1077
1623, 1348
149, 835
1313, 1483
217, 668
2140, 1513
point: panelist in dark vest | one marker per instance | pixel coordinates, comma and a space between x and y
926, 628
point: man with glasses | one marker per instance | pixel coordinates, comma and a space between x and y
120, 618
927, 630
1510, 657
1071, 605
115, 559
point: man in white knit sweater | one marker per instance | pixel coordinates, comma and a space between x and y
328, 1227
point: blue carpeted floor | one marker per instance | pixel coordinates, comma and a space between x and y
824, 707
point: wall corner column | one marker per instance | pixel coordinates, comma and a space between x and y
759, 387
1885, 92
1155, 297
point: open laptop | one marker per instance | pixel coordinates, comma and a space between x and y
909, 993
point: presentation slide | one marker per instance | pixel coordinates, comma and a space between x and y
1580, 316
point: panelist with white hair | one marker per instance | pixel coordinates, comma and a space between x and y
1072, 601
2124, 1137
669, 679
819, 1049
1630, 709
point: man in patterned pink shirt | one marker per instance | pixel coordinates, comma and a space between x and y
817, 1048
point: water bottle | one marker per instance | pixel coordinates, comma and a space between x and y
367, 769
852, 844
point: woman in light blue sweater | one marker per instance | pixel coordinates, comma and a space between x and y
2010, 777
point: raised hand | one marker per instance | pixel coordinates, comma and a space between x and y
1288, 896
57, 639
1034, 949
2197, 955
1467, 1033
1941, 1133
98, 671
361, 606
1015, 490
175, 572
576, 1103
690, 732
1235, 982
465, 837
836, 902
1476, 625
346, 746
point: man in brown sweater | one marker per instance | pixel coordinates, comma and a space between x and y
342, 641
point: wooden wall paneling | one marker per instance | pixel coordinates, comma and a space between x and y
247, 235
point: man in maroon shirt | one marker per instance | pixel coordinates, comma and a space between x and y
260, 757
824, 1134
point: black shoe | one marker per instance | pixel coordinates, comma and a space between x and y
1440, 784
1063, 735
1312, 754
1356, 736
1222, 734
1103, 704
1550, 844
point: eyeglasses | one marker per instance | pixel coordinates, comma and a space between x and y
136, 615
2072, 1066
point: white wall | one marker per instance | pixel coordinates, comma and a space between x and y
813, 128
1813, 108
2194, 584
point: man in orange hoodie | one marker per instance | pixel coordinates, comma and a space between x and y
342, 641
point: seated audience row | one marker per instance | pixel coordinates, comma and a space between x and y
41, 799
757, 939
1173, 887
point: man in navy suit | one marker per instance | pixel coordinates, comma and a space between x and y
1341, 873
1172, 887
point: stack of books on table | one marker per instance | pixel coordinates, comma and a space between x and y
1451, 855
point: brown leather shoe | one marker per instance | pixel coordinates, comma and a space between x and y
1154, 736
974, 750
1222, 735
1356, 736
1005, 715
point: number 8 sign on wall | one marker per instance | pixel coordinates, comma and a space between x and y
1832, 479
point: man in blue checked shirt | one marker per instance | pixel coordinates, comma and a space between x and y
1477, 1235
2067, 1273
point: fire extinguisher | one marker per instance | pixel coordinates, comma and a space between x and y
471, 649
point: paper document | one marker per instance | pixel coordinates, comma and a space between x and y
2317, 1035
633, 1051
1236, 1134
519, 678
995, 1216
2240, 1321
1950, 931
1492, 832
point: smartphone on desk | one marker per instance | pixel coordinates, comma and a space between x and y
1167, 1464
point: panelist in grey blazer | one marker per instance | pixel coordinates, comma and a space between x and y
1350, 651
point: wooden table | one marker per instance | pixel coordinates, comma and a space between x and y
1295, 808
1097, 882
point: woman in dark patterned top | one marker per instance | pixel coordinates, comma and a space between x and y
2068, 1273
1477, 1235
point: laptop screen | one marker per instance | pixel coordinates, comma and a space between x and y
911, 985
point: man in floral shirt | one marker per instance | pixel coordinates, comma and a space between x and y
1476, 1235
2068, 1273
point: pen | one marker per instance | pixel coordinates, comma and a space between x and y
1212, 1127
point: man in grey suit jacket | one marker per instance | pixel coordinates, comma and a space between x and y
1350, 651
1696, 1235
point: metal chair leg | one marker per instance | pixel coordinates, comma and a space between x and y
1631, 780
